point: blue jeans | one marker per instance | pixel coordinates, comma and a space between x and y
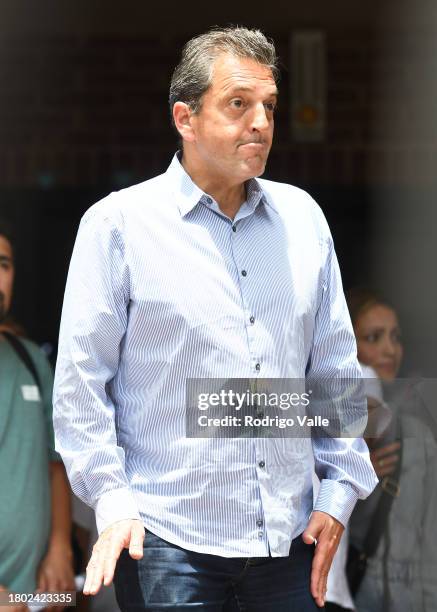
171, 578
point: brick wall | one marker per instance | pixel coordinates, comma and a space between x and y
78, 110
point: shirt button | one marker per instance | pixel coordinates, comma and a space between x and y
234, 228
259, 523
252, 320
257, 367
209, 200
243, 273
260, 535
262, 464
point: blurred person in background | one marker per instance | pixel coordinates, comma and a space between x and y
393, 555
35, 518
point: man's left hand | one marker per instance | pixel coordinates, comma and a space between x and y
325, 531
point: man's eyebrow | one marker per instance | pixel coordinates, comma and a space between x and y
274, 93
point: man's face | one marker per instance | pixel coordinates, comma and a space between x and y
6, 276
233, 130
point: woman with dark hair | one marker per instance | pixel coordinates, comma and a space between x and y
393, 557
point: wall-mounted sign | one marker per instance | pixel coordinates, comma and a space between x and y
308, 85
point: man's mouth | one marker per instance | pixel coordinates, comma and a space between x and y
254, 147
260, 143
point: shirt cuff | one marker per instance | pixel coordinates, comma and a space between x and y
337, 499
115, 505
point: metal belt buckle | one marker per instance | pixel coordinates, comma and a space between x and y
390, 486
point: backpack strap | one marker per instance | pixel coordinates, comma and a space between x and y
24, 356
390, 490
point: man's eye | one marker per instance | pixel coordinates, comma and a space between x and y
237, 103
270, 106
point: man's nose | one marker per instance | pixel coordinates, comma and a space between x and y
260, 120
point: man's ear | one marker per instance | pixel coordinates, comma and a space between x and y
182, 116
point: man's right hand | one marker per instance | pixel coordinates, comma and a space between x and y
129, 534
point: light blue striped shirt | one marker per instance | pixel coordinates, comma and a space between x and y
163, 287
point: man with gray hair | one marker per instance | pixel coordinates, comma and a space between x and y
206, 272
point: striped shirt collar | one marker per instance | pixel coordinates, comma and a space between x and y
188, 194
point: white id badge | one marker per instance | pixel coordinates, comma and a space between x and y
30, 393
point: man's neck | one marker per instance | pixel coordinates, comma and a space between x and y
229, 197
